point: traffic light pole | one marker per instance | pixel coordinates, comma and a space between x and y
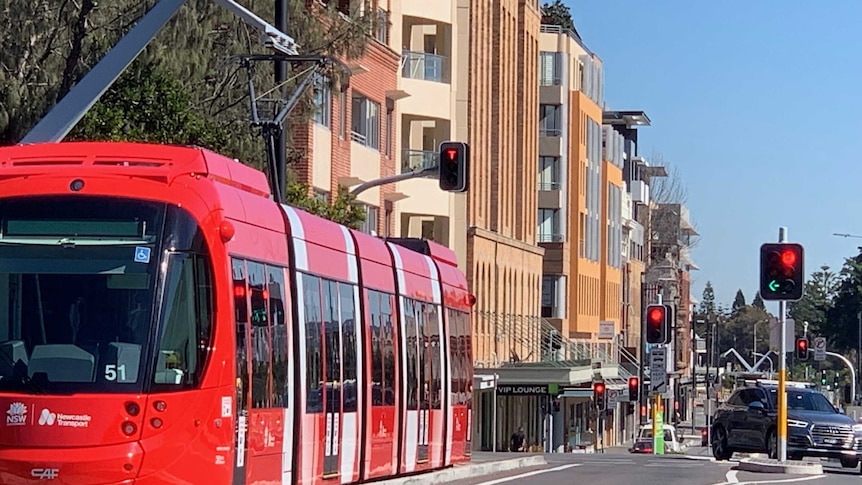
782, 369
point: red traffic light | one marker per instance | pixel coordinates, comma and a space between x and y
451, 154
656, 315
633, 381
788, 257
599, 388
802, 348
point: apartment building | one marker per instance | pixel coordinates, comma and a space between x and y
580, 199
399, 105
504, 262
432, 109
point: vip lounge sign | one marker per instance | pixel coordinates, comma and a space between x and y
528, 390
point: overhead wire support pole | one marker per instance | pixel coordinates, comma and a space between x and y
782, 369
272, 128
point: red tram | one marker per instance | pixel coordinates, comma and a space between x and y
164, 321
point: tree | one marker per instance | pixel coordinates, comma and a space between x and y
148, 104
707, 300
203, 95
557, 13
342, 210
841, 327
817, 300
670, 189
758, 302
738, 302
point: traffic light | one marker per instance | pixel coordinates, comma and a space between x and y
599, 395
658, 318
836, 381
782, 273
802, 348
454, 166
823, 377
634, 389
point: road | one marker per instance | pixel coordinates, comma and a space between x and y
625, 469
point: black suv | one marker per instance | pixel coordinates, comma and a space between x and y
747, 422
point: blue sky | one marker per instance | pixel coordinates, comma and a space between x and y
758, 104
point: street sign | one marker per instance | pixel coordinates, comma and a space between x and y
658, 370
819, 348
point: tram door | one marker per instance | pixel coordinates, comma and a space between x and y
243, 336
332, 381
414, 382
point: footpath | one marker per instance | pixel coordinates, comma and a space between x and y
481, 464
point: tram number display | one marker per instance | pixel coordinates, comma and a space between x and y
112, 372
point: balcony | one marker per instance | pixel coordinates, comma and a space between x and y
412, 160
550, 195
425, 67
439, 12
550, 238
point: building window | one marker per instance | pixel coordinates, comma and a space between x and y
342, 114
553, 286
549, 226
390, 132
549, 173
382, 31
322, 101
372, 215
550, 69
365, 128
550, 120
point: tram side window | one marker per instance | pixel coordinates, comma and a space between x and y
410, 352
422, 341
373, 302
347, 307
241, 315
332, 346
455, 351
432, 330
382, 349
313, 345
387, 347
278, 318
261, 351
187, 325
467, 367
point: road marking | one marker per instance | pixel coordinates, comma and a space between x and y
665, 464
731, 478
609, 462
784, 480
529, 474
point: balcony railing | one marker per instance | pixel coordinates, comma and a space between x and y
412, 160
550, 132
550, 238
550, 186
427, 67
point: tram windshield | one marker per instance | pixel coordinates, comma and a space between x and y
79, 283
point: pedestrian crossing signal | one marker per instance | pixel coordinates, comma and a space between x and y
454, 166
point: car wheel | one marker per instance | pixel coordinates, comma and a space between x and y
772, 445
719, 445
850, 462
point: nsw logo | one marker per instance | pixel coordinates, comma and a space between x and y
16, 415
47, 418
